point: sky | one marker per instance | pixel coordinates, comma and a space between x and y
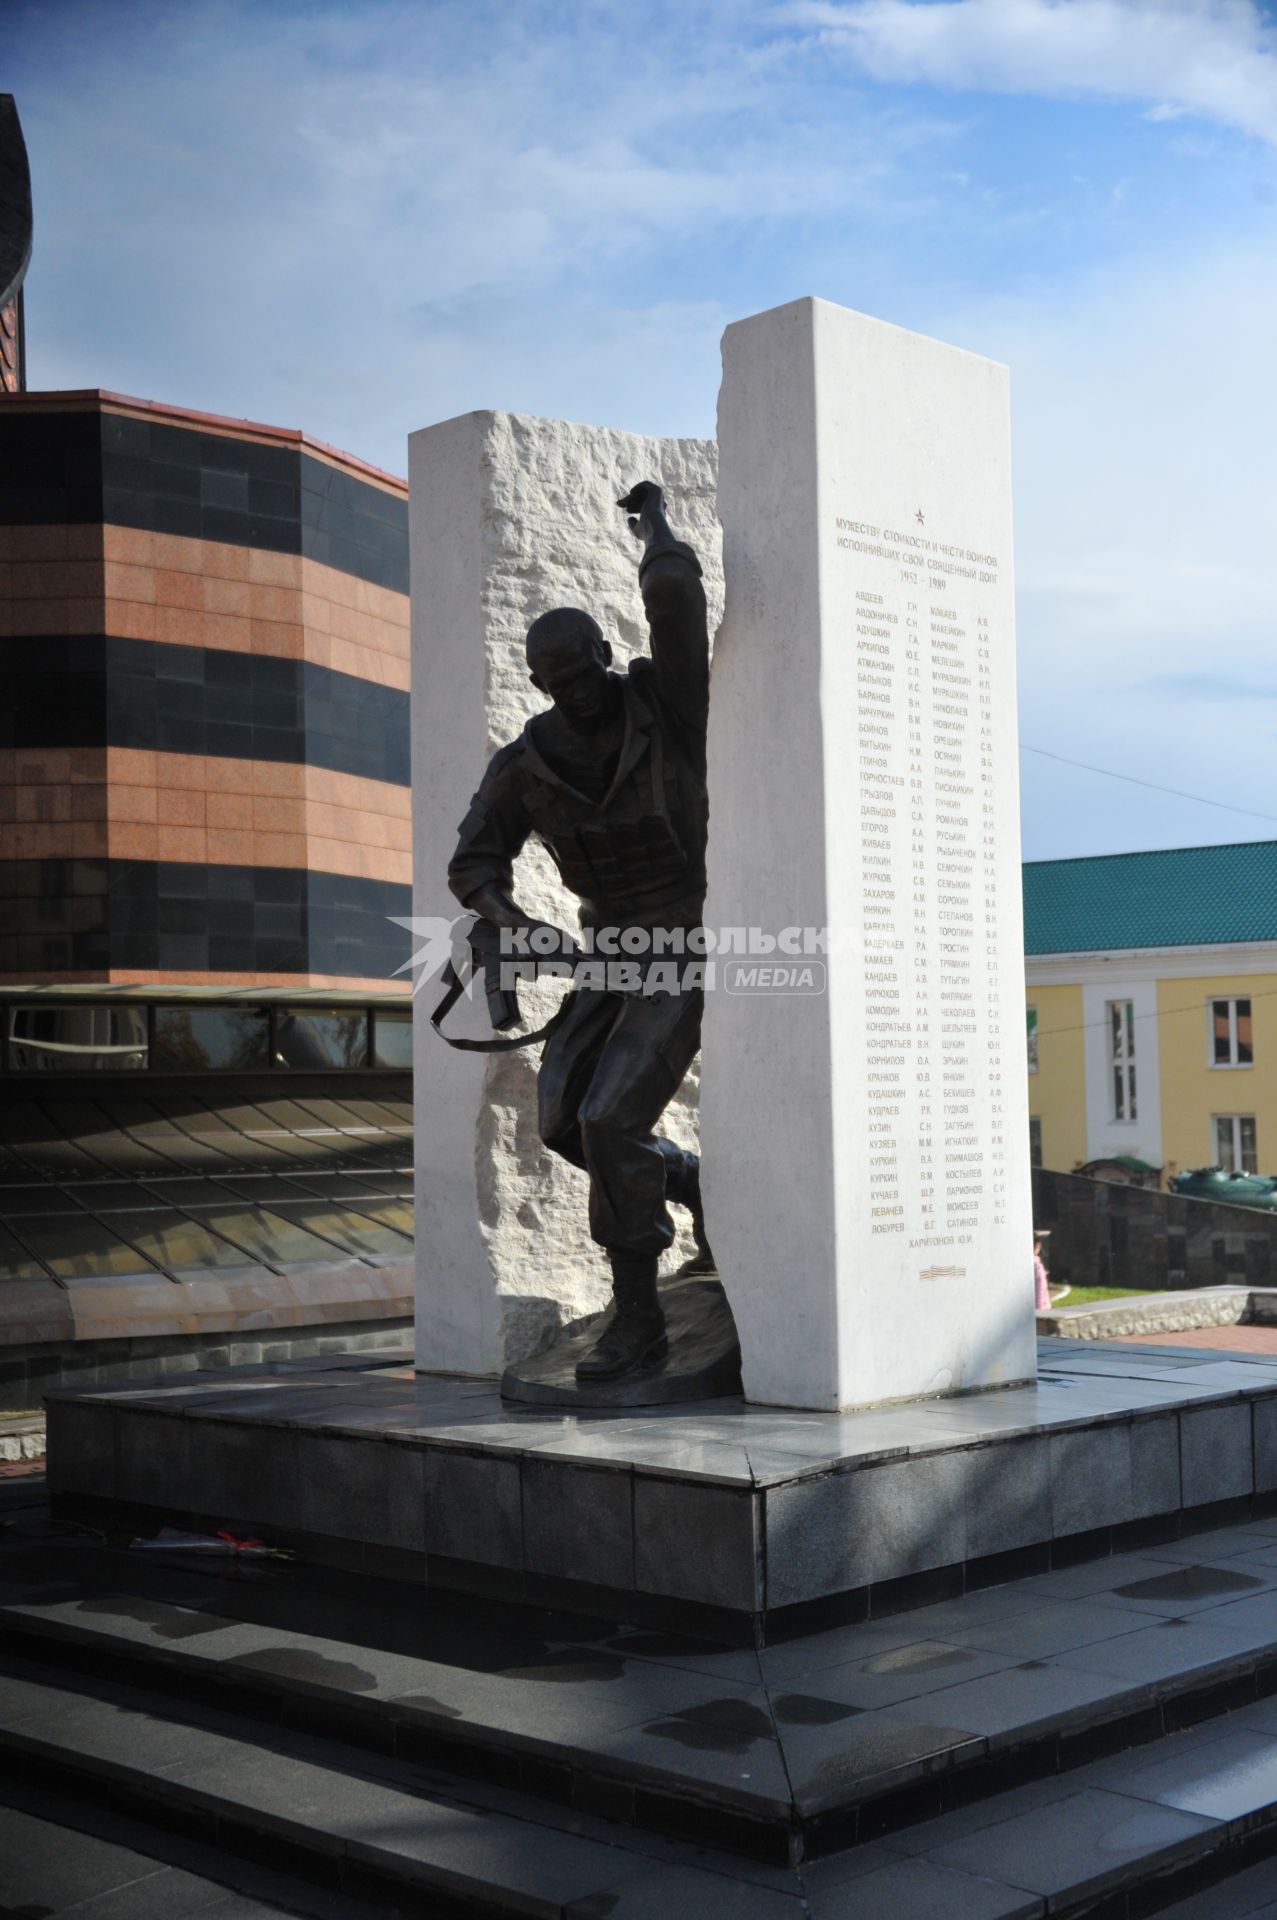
362, 216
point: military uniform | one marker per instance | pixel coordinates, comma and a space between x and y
635, 857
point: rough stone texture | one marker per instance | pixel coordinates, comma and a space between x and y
1146, 1314
511, 516
22, 1439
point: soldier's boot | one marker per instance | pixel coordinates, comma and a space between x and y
633, 1339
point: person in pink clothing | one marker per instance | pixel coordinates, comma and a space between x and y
1041, 1291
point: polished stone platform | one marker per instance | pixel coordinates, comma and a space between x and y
749, 1523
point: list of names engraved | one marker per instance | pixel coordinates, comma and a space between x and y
929, 624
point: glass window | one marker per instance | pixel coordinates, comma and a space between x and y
1236, 1145
1035, 1141
199, 1039
363, 1231
61, 1039
268, 1236
1232, 1033
178, 1244
84, 1248
16, 1263
322, 1037
1121, 1026
1032, 1026
392, 1037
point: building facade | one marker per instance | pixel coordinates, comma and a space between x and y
205, 841
1151, 987
204, 701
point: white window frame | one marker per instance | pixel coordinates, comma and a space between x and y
1031, 1036
1235, 1163
1232, 1065
1122, 1061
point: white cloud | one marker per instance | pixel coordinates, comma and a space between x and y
359, 218
1145, 465
363, 216
1215, 58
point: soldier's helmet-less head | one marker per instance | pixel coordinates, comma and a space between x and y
568, 659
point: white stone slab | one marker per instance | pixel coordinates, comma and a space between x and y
510, 516
866, 1146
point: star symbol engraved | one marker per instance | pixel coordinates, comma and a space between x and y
920, 517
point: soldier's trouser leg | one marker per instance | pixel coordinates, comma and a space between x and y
682, 1170
568, 1062
639, 1068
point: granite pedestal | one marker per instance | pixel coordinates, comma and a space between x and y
746, 1523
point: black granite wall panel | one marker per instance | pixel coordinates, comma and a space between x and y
1107, 1235
93, 691
50, 469
57, 468
77, 915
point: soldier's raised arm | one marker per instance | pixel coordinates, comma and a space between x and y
674, 601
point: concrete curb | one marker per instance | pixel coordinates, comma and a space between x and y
1154, 1313
22, 1437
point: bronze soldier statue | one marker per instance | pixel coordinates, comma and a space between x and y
611, 777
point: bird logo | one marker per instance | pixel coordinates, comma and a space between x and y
439, 943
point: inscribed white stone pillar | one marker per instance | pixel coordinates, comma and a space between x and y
508, 517
865, 1131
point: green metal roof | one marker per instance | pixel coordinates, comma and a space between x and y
1182, 897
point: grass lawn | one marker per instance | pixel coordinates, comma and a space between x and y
1079, 1296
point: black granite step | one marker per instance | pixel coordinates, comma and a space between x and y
782, 1753
107, 1869
375, 1832
1185, 1823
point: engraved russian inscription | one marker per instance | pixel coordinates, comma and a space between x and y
923, 618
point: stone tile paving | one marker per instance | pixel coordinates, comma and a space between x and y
1226, 1778
1251, 1895
50, 1868
1079, 1844
923, 1890
1237, 1339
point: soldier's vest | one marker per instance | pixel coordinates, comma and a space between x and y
632, 851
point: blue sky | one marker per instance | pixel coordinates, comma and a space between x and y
362, 217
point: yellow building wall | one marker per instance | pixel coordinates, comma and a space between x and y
1057, 1091
1193, 1090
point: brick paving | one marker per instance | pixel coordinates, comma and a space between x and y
1240, 1339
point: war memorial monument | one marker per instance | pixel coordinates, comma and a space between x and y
866, 1627
866, 1170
